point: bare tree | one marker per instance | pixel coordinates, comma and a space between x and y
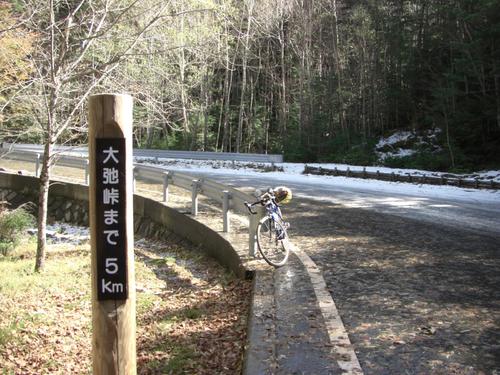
74, 55
249, 4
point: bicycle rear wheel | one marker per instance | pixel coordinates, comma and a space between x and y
270, 240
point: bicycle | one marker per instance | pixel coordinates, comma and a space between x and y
272, 236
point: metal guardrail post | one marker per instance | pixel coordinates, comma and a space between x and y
87, 177
253, 222
225, 211
165, 186
194, 197
37, 165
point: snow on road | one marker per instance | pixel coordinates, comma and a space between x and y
469, 209
292, 173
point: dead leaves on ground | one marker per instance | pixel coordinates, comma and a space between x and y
191, 319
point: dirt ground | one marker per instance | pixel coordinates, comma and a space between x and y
415, 298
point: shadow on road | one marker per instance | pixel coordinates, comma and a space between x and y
413, 296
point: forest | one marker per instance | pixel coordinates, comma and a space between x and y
315, 80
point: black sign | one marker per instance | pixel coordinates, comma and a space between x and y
111, 219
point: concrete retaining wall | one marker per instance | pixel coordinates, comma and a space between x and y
69, 202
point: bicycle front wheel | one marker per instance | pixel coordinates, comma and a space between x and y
270, 240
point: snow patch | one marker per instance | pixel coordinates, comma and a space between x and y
210, 164
406, 143
59, 233
294, 173
399, 153
394, 138
291, 169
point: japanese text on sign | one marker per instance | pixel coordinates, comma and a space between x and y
111, 219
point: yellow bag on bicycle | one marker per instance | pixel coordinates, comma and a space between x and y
282, 194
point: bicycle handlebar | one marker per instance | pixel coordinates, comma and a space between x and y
249, 206
265, 200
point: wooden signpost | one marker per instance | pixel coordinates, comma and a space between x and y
111, 234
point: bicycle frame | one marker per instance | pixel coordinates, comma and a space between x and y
272, 241
276, 217
274, 211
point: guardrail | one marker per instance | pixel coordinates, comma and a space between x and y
230, 199
453, 180
159, 154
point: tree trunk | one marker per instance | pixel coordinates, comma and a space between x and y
149, 130
228, 83
284, 106
362, 88
447, 131
302, 117
182, 69
338, 72
497, 97
239, 135
206, 97
250, 119
43, 199
221, 114
310, 130
43, 194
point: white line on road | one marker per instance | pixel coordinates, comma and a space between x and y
342, 347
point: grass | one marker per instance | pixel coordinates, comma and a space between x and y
145, 302
12, 224
7, 334
180, 358
19, 276
166, 322
183, 312
193, 313
37, 308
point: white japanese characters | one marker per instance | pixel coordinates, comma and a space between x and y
111, 195
110, 217
110, 154
111, 275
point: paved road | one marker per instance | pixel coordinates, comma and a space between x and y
415, 278
415, 297
471, 214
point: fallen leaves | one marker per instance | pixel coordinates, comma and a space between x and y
191, 316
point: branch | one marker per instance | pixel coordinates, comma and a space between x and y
18, 25
84, 97
116, 59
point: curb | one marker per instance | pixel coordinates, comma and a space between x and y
293, 324
261, 331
